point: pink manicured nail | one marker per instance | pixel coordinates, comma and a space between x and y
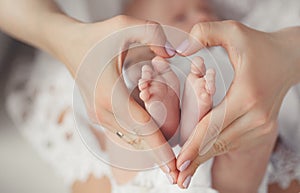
169, 49
187, 182
183, 47
170, 178
184, 165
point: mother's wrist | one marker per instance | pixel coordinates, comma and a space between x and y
290, 42
297, 53
294, 44
298, 65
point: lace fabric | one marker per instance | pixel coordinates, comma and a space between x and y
284, 166
39, 102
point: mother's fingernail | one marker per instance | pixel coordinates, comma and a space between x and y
169, 49
170, 178
184, 165
187, 182
183, 47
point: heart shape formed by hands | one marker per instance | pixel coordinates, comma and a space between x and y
132, 127
144, 118
159, 93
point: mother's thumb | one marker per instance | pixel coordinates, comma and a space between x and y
208, 34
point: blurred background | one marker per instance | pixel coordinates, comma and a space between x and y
21, 168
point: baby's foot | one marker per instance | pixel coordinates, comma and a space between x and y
197, 97
159, 88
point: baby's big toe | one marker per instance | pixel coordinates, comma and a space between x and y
160, 64
147, 72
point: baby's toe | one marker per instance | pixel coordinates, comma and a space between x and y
198, 66
147, 68
145, 95
147, 72
146, 76
201, 91
144, 82
160, 64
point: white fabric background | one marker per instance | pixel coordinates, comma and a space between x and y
279, 14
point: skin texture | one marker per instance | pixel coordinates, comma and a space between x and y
249, 128
198, 92
25, 21
159, 88
93, 185
246, 127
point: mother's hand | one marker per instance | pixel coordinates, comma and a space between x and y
266, 65
107, 99
44, 25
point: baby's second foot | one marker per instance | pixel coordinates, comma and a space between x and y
159, 88
197, 97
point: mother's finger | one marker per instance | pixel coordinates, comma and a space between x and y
218, 146
207, 130
252, 150
147, 32
241, 126
129, 122
233, 139
134, 152
207, 34
210, 126
254, 137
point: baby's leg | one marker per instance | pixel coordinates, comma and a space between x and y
197, 97
159, 88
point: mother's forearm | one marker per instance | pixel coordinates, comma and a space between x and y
39, 23
232, 174
243, 171
289, 41
294, 42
